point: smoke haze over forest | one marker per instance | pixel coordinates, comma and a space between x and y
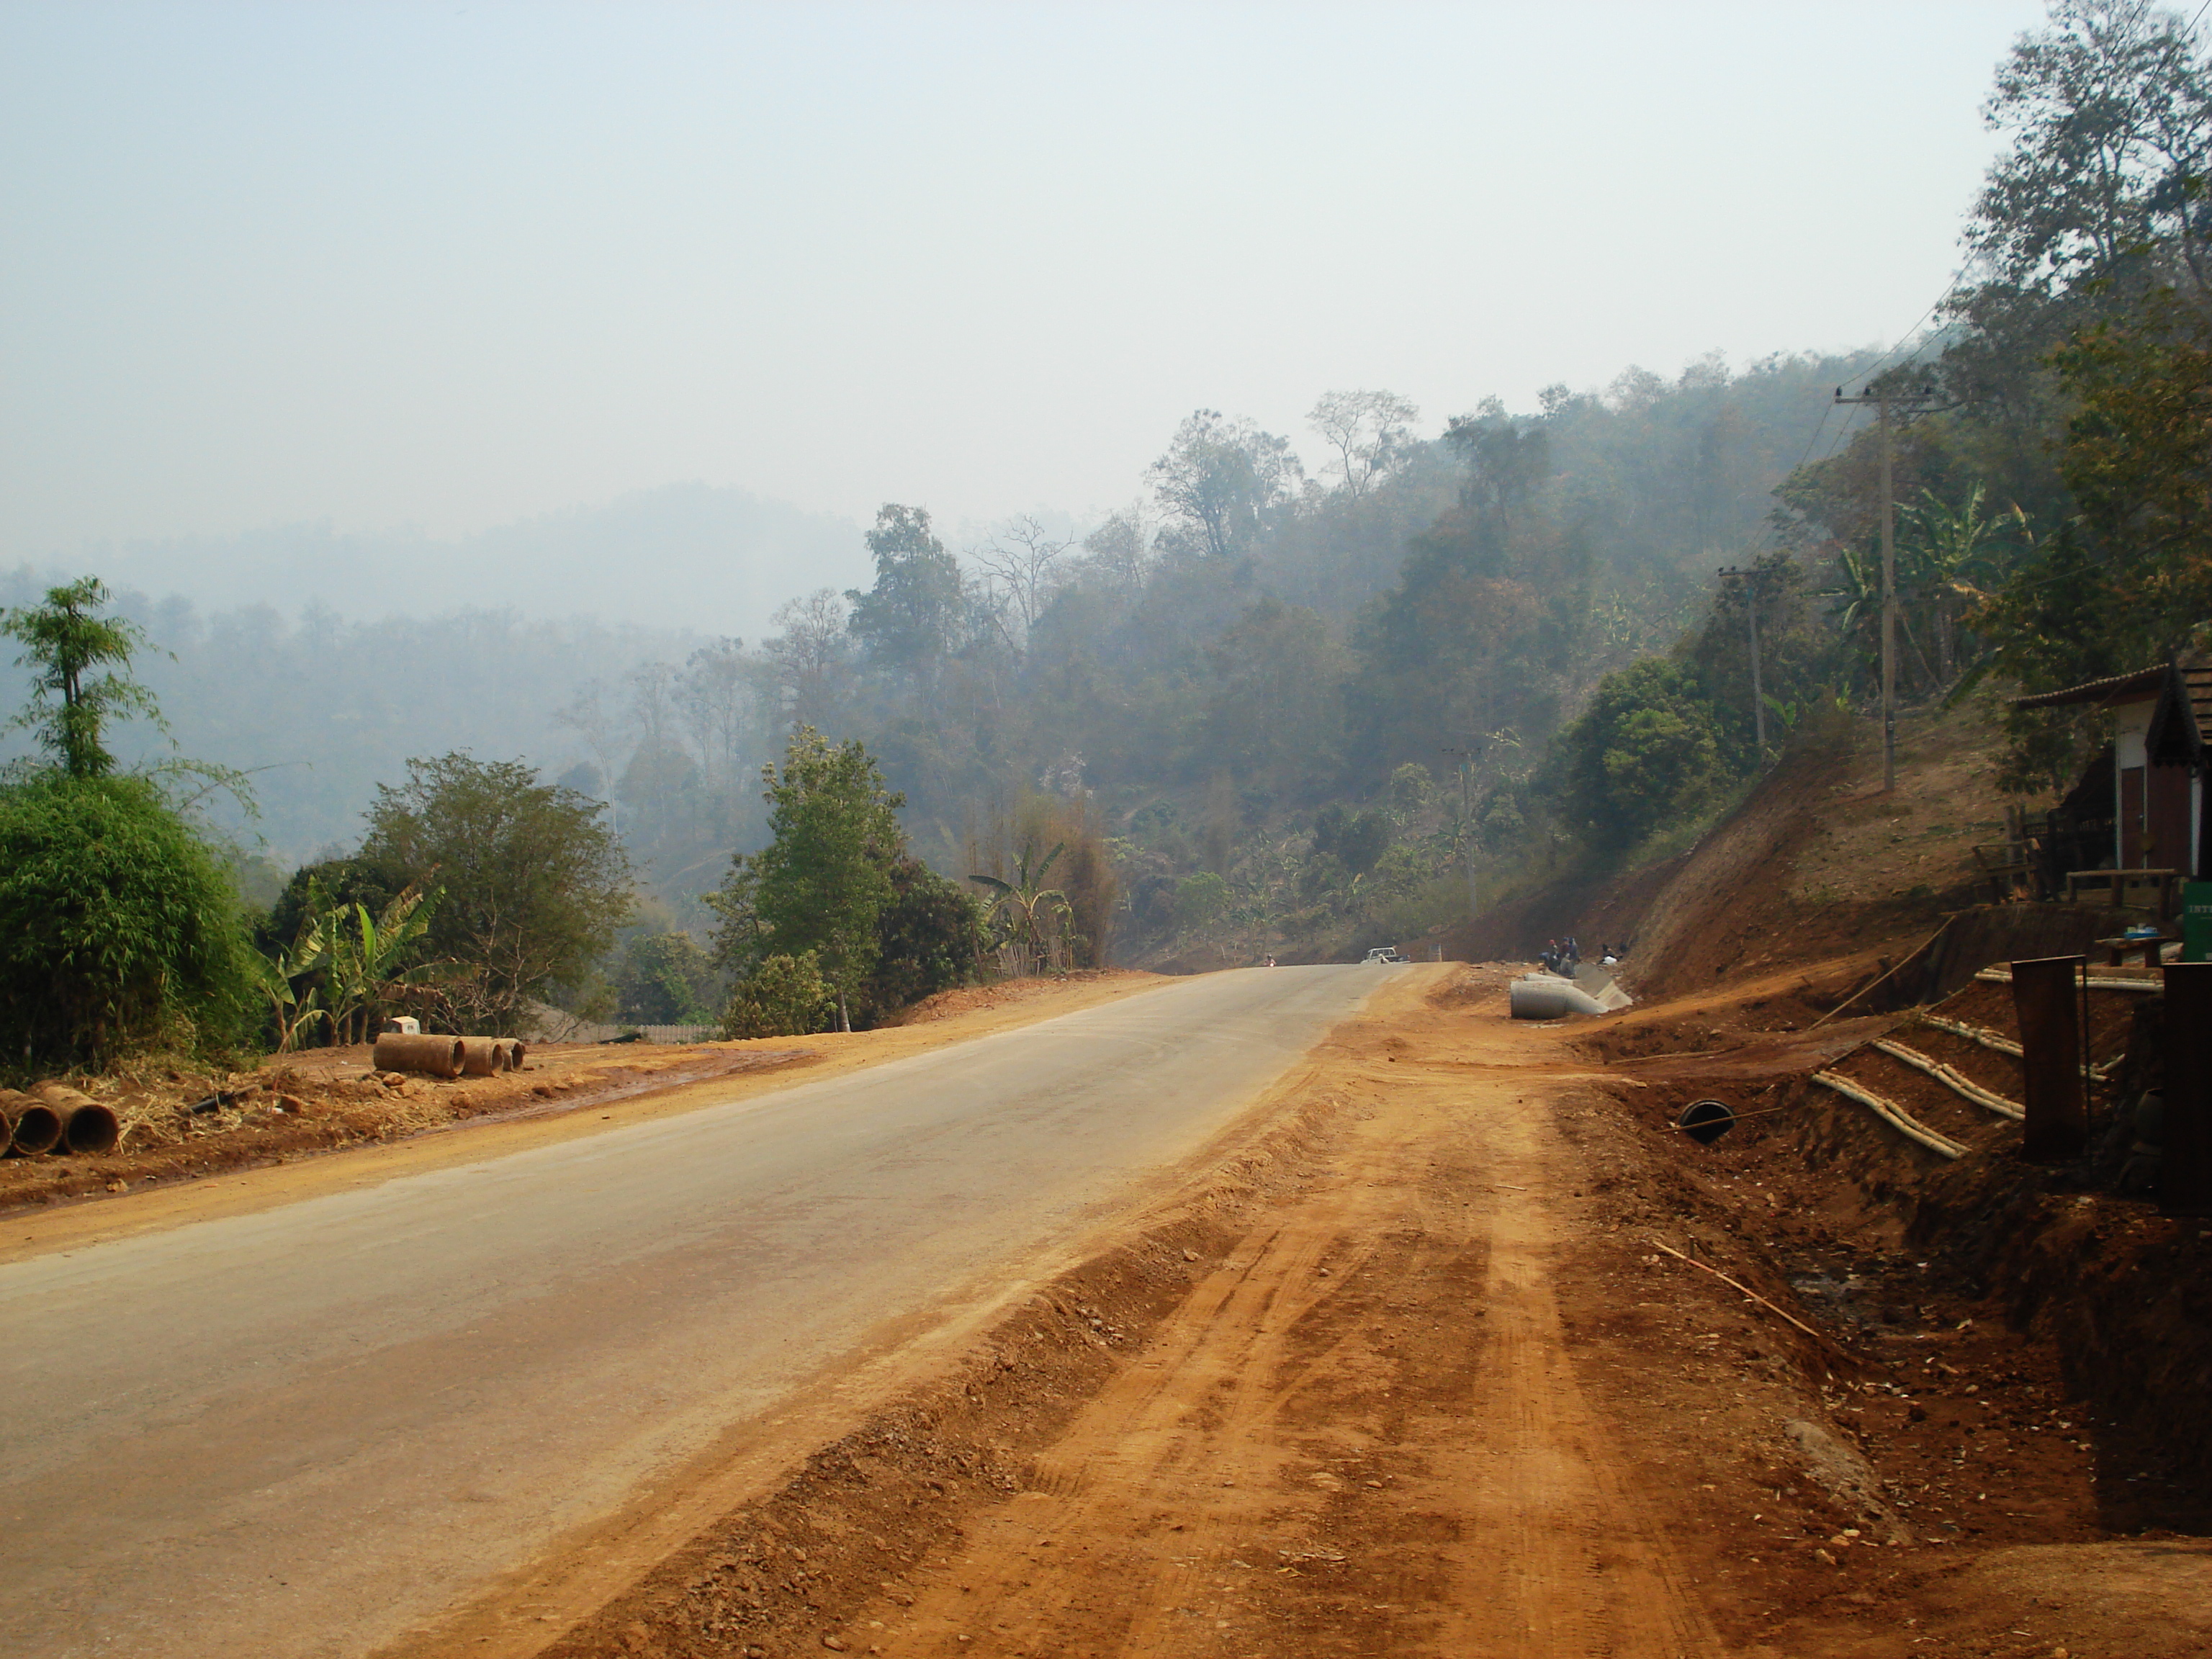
1287, 452
452, 269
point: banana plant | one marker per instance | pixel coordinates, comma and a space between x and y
364, 953
1948, 555
296, 1009
1858, 603
1025, 909
1786, 713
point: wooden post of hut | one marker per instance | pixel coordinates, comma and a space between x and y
2046, 996
2185, 1163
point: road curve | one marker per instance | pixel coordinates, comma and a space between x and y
302, 1431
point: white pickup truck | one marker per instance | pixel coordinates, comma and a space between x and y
1386, 953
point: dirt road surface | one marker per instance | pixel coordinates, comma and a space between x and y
1406, 1369
305, 1430
1363, 1431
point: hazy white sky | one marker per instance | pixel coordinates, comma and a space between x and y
444, 266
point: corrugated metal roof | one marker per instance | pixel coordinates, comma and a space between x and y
2140, 686
2113, 688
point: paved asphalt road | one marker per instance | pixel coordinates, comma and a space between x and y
302, 1431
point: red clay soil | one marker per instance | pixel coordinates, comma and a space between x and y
1819, 866
1409, 1372
324, 1100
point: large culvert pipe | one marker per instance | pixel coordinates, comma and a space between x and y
92, 1128
1542, 996
87, 1125
483, 1057
33, 1126
433, 1056
517, 1051
1705, 1120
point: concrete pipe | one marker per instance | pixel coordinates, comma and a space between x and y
1545, 996
34, 1127
87, 1125
517, 1052
433, 1056
483, 1057
92, 1127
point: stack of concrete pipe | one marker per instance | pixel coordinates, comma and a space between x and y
447, 1056
56, 1118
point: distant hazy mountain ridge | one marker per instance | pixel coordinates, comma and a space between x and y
715, 561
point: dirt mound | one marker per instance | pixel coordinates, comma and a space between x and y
2113, 1299
1818, 864
179, 1128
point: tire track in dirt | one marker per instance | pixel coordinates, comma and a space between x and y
1312, 1458
1574, 1564
1401, 1370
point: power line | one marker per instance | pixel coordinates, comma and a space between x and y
1827, 409
1906, 338
1882, 361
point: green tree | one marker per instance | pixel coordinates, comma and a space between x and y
929, 938
1643, 753
119, 928
536, 885
824, 880
1224, 480
1413, 792
665, 979
1947, 557
120, 931
67, 642
1355, 840
313, 888
782, 996
1031, 916
1274, 715
1201, 901
363, 957
911, 617
2110, 113
1370, 432
1508, 463
2138, 457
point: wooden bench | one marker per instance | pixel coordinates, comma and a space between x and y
2121, 885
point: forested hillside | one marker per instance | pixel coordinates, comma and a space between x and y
1309, 686
1255, 638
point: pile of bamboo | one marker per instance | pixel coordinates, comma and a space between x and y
56, 1118
447, 1056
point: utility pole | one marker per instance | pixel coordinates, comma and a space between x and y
1751, 609
1904, 402
1467, 759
